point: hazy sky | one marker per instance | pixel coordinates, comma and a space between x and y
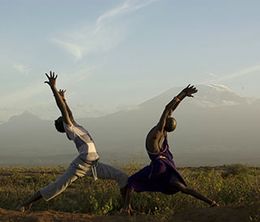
113, 54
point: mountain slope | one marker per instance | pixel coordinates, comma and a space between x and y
217, 126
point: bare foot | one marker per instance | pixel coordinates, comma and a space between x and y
214, 204
127, 211
23, 208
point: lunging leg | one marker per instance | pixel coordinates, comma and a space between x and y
184, 189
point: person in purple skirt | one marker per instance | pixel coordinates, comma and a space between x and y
161, 175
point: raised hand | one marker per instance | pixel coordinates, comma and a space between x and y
52, 79
189, 90
62, 93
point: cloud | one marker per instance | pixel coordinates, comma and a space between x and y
126, 7
72, 48
18, 97
21, 68
101, 36
80, 75
17, 101
90, 40
220, 79
244, 72
213, 75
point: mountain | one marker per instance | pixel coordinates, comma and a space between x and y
215, 127
26, 137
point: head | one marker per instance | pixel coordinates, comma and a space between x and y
59, 125
170, 124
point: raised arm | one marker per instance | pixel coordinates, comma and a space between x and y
59, 101
62, 94
172, 105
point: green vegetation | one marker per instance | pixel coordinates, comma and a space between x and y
232, 185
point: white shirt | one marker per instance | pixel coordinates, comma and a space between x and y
83, 141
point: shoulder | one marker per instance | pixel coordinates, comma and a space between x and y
155, 133
76, 124
69, 127
73, 124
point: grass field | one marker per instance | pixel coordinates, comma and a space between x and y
232, 185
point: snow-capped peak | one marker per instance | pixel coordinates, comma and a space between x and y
220, 87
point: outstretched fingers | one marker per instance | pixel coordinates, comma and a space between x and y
51, 78
62, 93
51, 75
194, 89
189, 90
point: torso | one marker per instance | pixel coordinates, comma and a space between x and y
154, 140
83, 141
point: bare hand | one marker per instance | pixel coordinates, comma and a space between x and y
52, 79
62, 93
189, 90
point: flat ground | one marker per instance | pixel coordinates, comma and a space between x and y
219, 214
234, 187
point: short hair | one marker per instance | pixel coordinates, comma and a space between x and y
59, 125
170, 124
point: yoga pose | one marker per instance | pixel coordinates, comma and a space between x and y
86, 163
161, 175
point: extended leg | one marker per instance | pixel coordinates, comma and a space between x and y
127, 208
105, 171
194, 193
53, 189
28, 203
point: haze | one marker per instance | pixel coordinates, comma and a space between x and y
115, 56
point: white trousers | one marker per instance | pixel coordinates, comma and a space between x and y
78, 168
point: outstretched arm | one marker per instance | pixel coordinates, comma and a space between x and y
172, 105
61, 105
62, 94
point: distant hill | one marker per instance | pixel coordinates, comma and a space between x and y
215, 127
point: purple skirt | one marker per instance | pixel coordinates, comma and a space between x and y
156, 178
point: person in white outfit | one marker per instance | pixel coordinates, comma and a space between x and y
86, 163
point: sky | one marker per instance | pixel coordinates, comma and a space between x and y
115, 54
